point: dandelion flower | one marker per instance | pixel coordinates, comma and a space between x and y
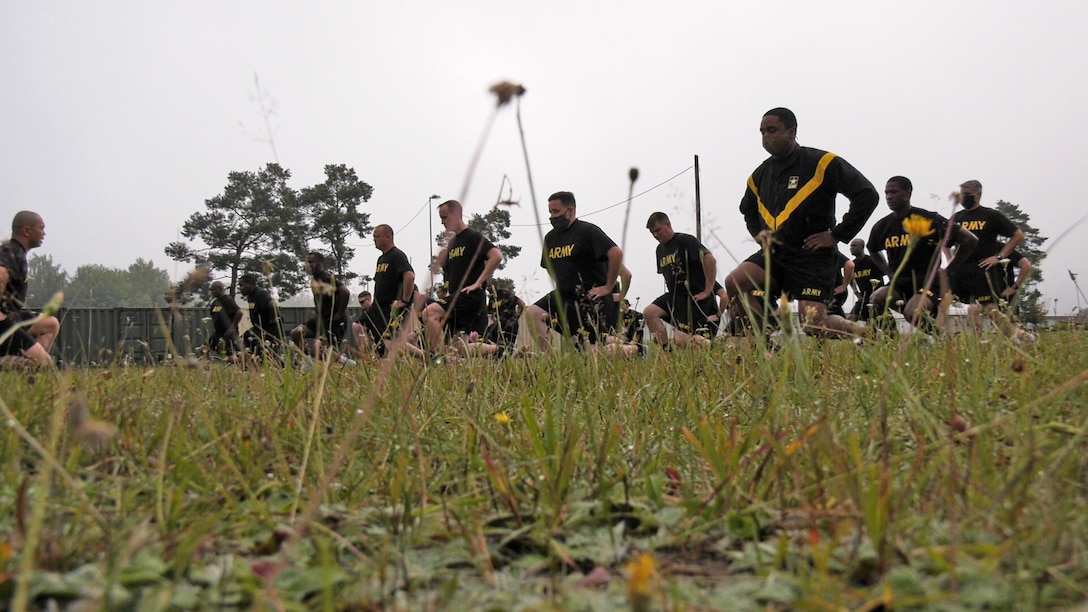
640, 572
918, 226
502, 418
783, 306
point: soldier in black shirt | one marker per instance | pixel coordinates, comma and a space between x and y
32, 342
331, 301
867, 278
226, 315
266, 326
584, 264
789, 208
394, 290
467, 261
633, 323
689, 269
362, 324
911, 268
980, 282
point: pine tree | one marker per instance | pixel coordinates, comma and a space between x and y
1032, 308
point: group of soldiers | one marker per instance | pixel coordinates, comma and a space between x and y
788, 207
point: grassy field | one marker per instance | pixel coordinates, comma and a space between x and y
823, 476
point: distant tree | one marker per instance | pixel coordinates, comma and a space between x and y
147, 284
1032, 308
97, 286
332, 211
495, 226
142, 285
46, 279
255, 225
505, 283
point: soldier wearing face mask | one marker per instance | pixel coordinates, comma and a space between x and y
981, 279
584, 264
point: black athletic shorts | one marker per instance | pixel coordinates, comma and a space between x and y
227, 341
583, 317
685, 314
807, 276
973, 284
331, 330
19, 342
377, 322
466, 314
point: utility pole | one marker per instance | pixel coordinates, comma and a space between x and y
430, 228
698, 204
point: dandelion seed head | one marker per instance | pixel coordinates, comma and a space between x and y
1018, 364
505, 91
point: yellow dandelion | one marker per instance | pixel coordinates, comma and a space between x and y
918, 226
783, 306
640, 573
502, 418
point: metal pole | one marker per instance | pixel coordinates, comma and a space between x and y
430, 228
698, 204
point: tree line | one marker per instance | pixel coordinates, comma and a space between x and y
260, 224
141, 285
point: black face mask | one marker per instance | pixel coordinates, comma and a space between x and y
968, 201
559, 223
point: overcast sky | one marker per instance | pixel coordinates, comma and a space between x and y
120, 118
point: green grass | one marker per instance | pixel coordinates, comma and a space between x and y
821, 476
